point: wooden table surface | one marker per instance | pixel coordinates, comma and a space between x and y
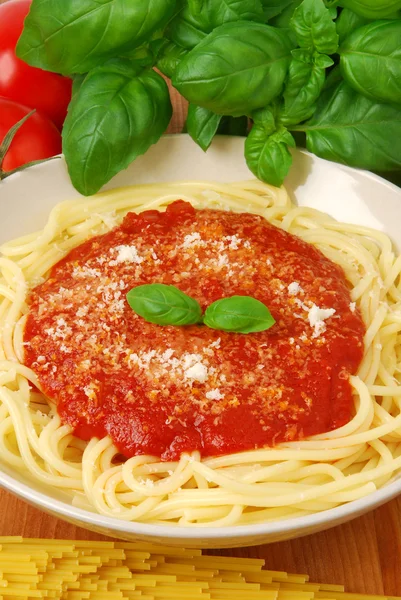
364, 555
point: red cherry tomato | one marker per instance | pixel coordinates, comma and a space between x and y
37, 138
48, 92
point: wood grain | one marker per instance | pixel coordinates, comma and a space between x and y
364, 555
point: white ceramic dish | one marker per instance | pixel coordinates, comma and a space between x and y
347, 194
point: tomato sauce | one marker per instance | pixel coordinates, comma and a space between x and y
164, 390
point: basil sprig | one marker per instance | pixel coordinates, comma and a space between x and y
164, 305
167, 305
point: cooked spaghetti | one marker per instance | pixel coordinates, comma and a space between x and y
213, 477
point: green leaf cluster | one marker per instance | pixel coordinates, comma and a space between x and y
331, 69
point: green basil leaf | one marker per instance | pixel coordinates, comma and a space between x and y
195, 6
218, 12
139, 57
332, 11
333, 78
164, 305
236, 69
239, 314
310, 57
77, 81
233, 126
273, 8
157, 46
268, 156
314, 27
192, 24
264, 119
283, 19
74, 36
116, 116
202, 125
373, 9
354, 130
170, 58
185, 30
303, 55
371, 61
347, 22
323, 61
304, 85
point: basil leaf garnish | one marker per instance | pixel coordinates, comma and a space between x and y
164, 305
240, 314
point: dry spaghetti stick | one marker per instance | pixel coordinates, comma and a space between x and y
242, 595
328, 587
24, 593
25, 578
156, 549
153, 577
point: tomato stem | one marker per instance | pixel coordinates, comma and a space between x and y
5, 174
6, 143
8, 138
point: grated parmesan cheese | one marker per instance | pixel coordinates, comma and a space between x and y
214, 394
90, 391
317, 316
61, 331
294, 288
352, 306
126, 254
198, 372
191, 240
223, 261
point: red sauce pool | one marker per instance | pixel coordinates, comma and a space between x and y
164, 390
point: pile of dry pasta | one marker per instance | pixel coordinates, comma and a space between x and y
88, 570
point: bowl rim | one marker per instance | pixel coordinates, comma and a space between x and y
301, 524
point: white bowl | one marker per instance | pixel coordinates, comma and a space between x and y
349, 195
